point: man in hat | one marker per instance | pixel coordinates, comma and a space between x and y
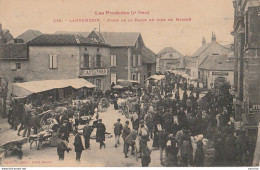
64, 130
87, 130
100, 134
78, 145
126, 132
118, 127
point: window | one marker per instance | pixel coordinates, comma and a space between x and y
139, 77
113, 60
18, 66
139, 60
53, 62
134, 76
86, 61
113, 78
134, 60
98, 83
98, 61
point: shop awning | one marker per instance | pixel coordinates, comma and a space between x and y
156, 77
31, 87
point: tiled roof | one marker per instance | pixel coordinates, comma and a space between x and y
115, 39
13, 51
84, 34
167, 50
121, 39
201, 49
149, 57
62, 39
217, 63
29, 35
204, 48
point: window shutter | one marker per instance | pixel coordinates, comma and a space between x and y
101, 61
139, 77
95, 60
101, 84
50, 61
13, 66
139, 60
90, 61
82, 62
115, 60
133, 60
55, 61
111, 60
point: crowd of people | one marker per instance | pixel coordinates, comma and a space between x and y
172, 115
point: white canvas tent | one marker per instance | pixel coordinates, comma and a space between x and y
31, 87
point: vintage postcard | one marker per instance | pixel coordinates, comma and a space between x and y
137, 83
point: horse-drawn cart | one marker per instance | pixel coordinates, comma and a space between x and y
47, 122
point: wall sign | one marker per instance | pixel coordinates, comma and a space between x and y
220, 73
95, 72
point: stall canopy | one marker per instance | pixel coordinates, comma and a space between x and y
31, 87
156, 77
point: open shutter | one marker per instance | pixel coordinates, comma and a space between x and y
90, 61
139, 77
82, 62
101, 84
50, 61
55, 61
111, 60
13, 66
95, 61
114, 60
101, 61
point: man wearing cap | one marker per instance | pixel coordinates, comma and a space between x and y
78, 145
118, 127
87, 130
126, 132
100, 134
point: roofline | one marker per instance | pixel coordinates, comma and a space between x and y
14, 58
69, 44
214, 69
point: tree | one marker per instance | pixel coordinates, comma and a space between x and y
3, 95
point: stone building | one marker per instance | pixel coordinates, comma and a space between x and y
211, 48
63, 56
129, 55
247, 62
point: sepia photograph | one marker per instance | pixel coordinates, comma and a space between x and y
136, 83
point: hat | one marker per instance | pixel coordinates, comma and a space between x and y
118, 119
127, 122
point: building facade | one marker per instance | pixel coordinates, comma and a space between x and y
128, 55
216, 67
247, 61
211, 48
58, 57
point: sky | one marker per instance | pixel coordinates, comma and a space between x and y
206, 16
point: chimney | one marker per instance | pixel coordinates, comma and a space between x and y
203, 40
213, 37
